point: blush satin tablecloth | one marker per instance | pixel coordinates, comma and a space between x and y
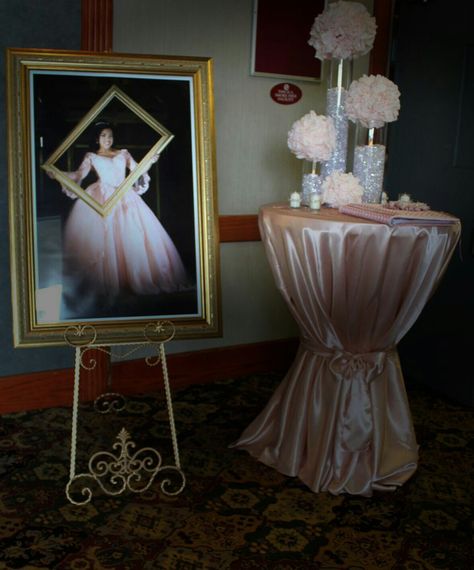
340, 420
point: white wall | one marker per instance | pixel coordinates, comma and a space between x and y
254, 165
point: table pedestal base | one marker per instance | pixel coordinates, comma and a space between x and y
312, 430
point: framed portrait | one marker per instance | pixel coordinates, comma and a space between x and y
280, 34
112, 195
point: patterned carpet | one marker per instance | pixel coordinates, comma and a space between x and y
234, 512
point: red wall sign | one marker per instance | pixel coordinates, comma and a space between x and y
286, 93
280, 38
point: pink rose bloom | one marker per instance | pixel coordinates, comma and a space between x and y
372, 101
341, 188
344, 30
313, 137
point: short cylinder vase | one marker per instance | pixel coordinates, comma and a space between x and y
311, 185
369, 162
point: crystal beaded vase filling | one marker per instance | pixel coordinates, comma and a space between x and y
369, 163
340, 76
311, 185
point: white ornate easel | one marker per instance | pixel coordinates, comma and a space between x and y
115, 473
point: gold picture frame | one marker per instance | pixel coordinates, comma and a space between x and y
61, 271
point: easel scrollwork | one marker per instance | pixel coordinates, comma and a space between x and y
124, 470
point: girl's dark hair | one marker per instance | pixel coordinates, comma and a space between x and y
97, 128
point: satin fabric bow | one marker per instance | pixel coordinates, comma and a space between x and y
355, 372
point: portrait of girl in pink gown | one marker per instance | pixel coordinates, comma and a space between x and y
127, 252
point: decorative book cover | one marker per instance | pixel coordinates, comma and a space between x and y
392, 217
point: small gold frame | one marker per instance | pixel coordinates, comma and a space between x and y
113, 93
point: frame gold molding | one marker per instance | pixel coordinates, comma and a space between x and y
28, 332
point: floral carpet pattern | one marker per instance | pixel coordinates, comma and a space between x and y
234, 512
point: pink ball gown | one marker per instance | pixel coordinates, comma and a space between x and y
127, 250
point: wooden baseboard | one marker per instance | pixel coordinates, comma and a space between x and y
54, 388
238, 228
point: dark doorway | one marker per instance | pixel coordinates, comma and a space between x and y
431, 156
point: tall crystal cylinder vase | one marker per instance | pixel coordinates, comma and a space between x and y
369, 164
340, 76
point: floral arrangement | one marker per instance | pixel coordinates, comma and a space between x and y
408, 206
341, 188
313, 137
372, 101
343, 30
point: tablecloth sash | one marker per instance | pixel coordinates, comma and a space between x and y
354, 372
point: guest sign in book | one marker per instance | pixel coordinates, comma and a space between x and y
393, 217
